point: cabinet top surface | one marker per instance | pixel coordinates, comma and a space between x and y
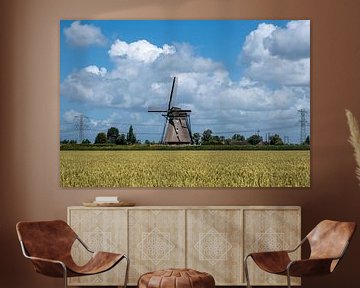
192, 207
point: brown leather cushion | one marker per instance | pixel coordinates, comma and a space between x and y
176, 278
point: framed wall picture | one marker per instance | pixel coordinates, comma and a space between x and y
185, 103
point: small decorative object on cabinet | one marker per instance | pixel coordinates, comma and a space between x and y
48, 245
328, 242
211, 239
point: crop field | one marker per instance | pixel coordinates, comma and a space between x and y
185, 168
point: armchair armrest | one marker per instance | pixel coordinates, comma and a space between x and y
279, 252
298, 246
84, 245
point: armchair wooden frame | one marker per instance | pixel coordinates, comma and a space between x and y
322, 260
64, 266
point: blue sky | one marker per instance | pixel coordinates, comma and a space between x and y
237, 76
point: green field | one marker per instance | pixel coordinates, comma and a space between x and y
185, 168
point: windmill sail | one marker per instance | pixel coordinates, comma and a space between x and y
177, 128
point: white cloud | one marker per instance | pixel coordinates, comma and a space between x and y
292, 42
96, 70
254, 49
103, 124
280, 71
90, 86
69, 116
84, 35
141, 50
137, 86
279, 56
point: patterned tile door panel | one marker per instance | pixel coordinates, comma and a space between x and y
101, 230
214, 244
157, 240
269, 230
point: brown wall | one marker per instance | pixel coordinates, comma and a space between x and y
29, 119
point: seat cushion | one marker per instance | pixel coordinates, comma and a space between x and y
272, 262
98, 263
176, 278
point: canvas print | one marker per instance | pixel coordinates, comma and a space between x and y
184, 103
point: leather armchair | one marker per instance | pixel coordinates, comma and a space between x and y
48, 245
328, 242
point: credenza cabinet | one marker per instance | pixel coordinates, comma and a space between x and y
210, 239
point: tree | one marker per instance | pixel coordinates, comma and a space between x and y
85, 141
72, 142
228, 141
100, 138
130, 137
196, 138
276, 140
307, 140
65, 141
254, 139
215, 140
206, 136
238, 137
120, 140
112, 134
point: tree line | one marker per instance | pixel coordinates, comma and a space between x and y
207, 138
113, 136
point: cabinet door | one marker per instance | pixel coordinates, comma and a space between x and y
156, 240
101, 230
214, 244
269, 230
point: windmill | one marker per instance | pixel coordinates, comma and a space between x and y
177, 127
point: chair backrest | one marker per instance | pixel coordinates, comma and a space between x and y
329, 239
46, 239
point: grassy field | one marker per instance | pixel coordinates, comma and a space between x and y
185, 168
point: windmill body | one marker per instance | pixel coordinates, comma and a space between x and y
177, 127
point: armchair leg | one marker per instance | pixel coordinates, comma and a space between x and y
65, 275
127, 271
246, 272
288, 278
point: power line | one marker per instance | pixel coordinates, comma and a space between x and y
82, 123
256, 130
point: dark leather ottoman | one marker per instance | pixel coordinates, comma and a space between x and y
176, 278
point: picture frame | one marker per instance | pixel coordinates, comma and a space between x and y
184, 103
